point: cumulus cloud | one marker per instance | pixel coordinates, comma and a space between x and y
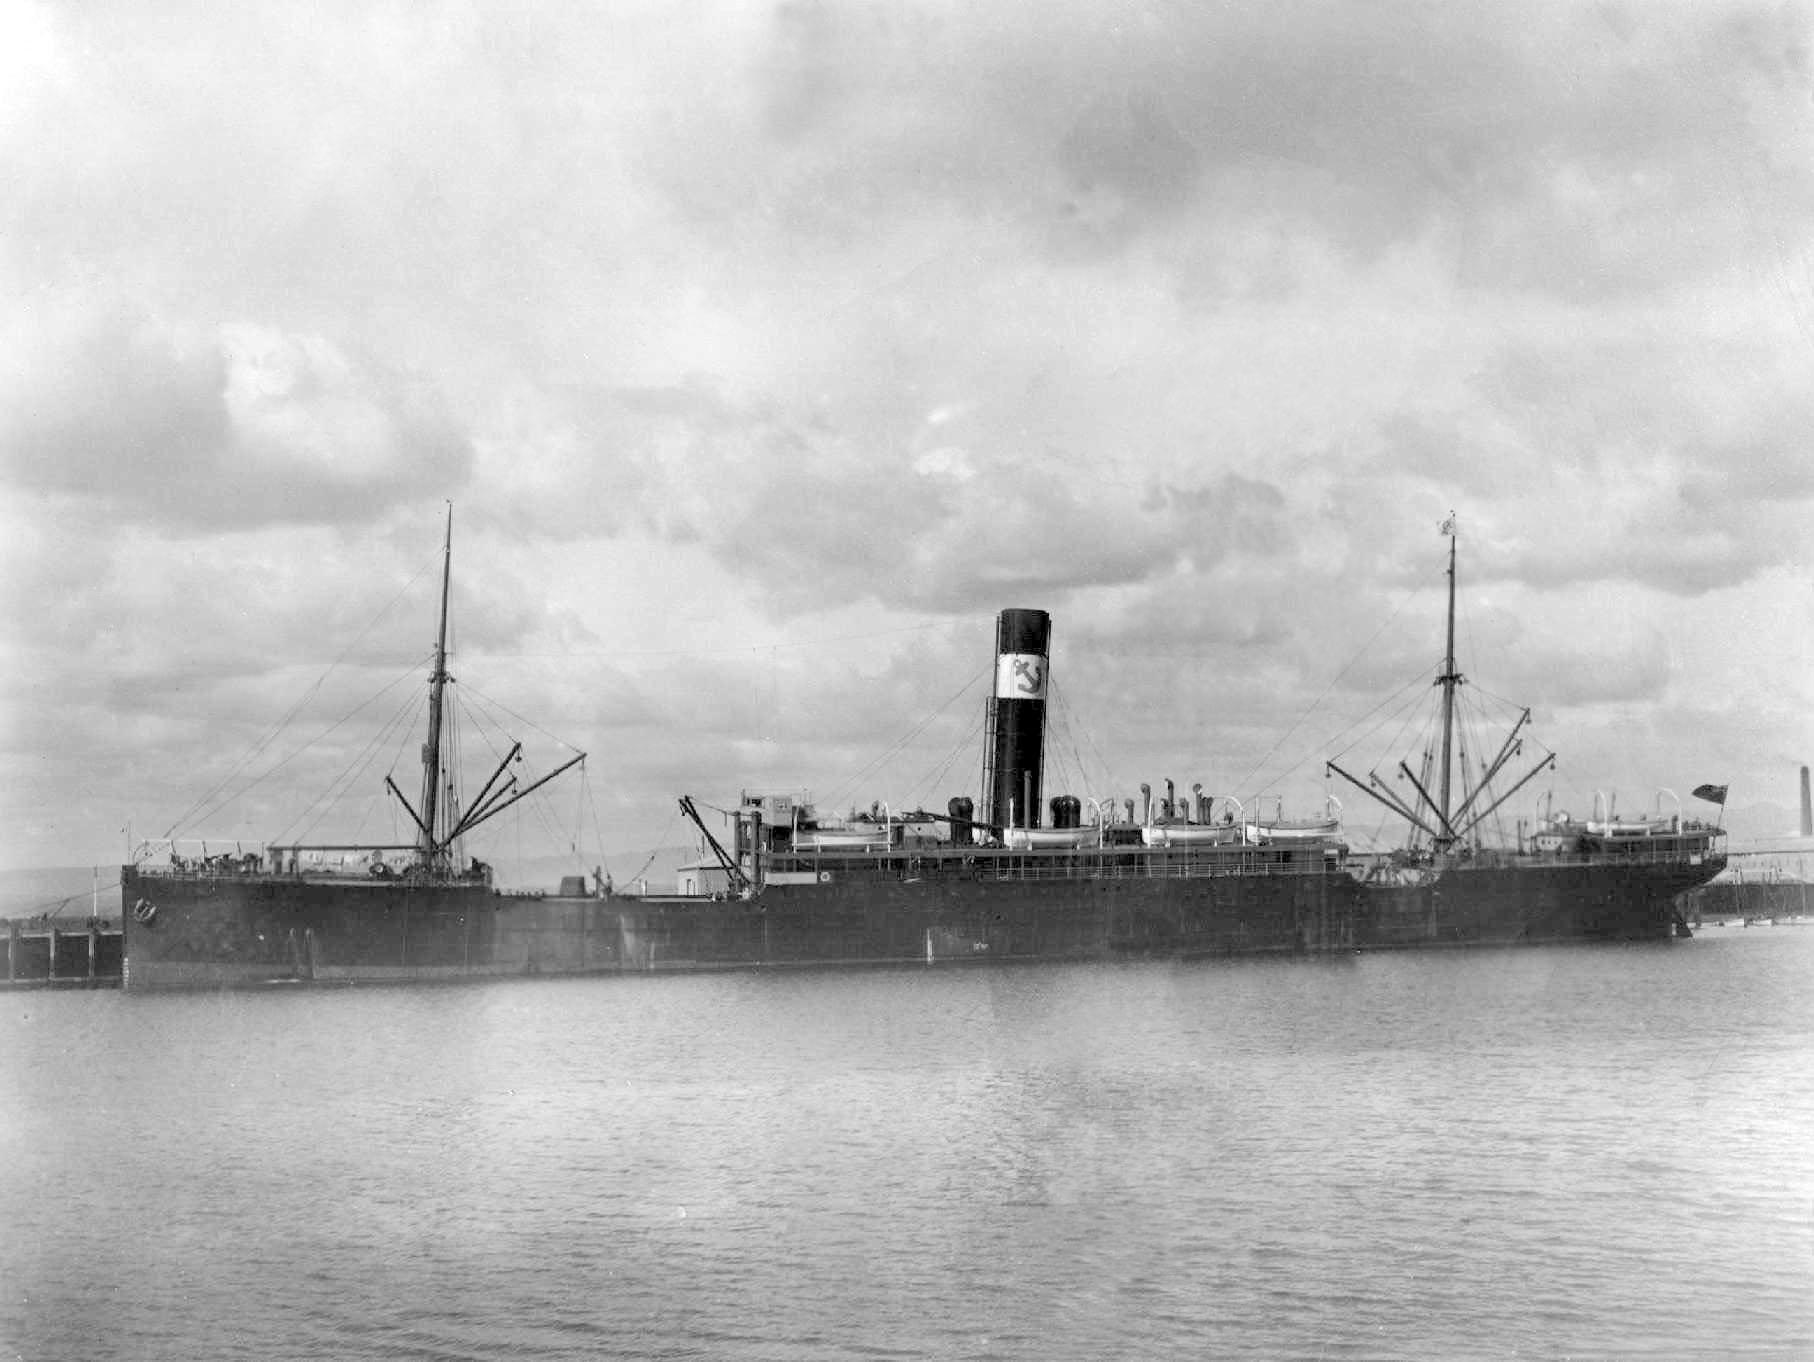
1547, 144
805, 320
222, 428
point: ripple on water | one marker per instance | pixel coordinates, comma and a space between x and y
1571, 1152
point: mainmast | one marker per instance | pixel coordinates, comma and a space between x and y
1436, 815
437, 687
1449, 679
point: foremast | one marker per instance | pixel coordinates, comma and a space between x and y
1449, 679
1438, 817
434, 844
431, 852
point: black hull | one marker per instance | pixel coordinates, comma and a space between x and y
230, 930
1532, 904
226, 930
957, 921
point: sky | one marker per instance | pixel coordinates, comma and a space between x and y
765, 351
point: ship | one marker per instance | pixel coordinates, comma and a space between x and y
1021, 876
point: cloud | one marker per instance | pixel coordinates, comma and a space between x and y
820, 519
740, 326
218, 428
1556, 154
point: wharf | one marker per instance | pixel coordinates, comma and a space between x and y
40, 954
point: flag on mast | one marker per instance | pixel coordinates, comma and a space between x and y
1447, 526
1713, 794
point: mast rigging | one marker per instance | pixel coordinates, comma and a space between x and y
1436, 814
437, 687
441, 821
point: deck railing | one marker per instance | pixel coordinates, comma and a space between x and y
1361, 862
993, 863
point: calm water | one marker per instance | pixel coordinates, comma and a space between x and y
1555, 1153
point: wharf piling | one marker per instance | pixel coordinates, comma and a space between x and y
41, 954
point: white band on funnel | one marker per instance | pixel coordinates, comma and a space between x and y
1020, 676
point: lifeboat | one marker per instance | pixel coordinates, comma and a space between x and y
1291, 830
1644, 827
874, 838
1259, 831
1186, 834
1033, 839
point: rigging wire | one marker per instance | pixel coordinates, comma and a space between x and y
1260, 765
598, 827
926, 785
1062, 724
1089, 738
673, 818
478, 694
401, 724
193, 811
851, 782
740, 649
1077, 771
253, 784
480, 715
1406, 697
48, 908
579, 818
452, 807
365, 816
968, 744
538, 804
478, 718
397, 724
